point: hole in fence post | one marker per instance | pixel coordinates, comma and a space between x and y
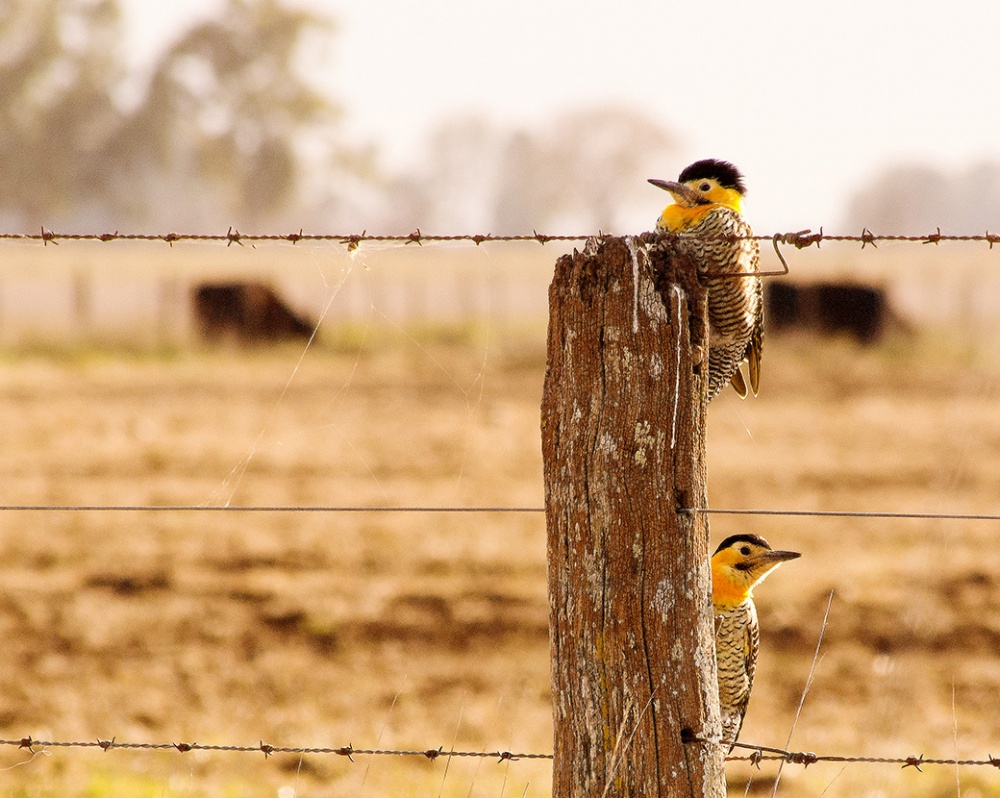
623, 444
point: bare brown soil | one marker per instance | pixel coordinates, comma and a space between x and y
417, 630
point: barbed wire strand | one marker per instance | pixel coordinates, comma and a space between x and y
760, 753
800, 239
348, 750
279, 508
847, 514
263, 508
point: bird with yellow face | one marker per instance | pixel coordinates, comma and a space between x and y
706, 218
740, 563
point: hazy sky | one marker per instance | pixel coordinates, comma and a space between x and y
808, 99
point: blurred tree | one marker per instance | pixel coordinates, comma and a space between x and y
915, 199
528, 196
596, 159
219, 122
58, 65
216, 137
584, 171
456, 180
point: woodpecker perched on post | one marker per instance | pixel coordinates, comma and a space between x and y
708, 200
739, 564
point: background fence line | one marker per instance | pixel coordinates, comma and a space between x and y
145, 299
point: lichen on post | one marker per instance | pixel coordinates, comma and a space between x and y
623, 444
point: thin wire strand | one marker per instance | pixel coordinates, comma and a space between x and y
760, 753
282, 508
236, 508
805, 689
846, 514
800, 239
348, 751
763, 753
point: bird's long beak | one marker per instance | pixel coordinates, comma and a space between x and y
684, 195
778, 556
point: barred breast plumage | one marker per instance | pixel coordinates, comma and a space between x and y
735, 304
737, 638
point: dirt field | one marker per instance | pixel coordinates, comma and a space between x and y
419, 630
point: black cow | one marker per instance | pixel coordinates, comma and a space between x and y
829, 307
250, 312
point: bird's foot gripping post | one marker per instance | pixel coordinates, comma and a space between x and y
623, 444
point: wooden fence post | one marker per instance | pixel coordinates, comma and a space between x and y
623, 444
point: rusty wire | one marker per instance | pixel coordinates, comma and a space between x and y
255, 508
800, 239
233, 236
763, 753
846, 514
760, 753
312, 508
348, 751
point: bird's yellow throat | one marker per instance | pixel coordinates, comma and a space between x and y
677, 216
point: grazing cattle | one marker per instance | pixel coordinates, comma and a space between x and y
249, 312
860, 310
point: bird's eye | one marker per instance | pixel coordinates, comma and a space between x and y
705, 186
745, 551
